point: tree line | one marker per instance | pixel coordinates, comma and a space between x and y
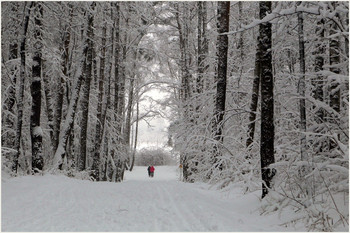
264, 97
71, 80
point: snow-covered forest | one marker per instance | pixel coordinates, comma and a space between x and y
256, 95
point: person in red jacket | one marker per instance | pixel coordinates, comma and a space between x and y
152, 171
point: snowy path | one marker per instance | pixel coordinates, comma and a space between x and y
58, 203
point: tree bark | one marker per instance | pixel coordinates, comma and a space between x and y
62, 83
35, 127
107, 119
121, 89
200, 56
86, 91
116, 55
21, 88
185, 90
301, 88
60, 154
96, 158
318, 82
129, 108
267, 106
334, 59
223, 12
136, 134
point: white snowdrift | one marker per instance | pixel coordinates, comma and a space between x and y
162, 203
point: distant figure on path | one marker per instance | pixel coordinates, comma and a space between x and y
149, 171
152, 171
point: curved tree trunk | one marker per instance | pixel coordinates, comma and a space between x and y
60, 154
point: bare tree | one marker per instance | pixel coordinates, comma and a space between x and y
98, 136
267, 106
21, 87
86, 90
301, 87
35, 127
223, 12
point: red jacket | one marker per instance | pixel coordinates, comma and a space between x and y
152, 169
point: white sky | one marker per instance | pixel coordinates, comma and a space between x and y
156, 134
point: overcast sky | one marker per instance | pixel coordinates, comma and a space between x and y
154, 133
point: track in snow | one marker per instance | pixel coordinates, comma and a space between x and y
140, 203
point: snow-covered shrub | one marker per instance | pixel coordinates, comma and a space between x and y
154, 156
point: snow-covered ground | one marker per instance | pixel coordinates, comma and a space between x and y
140, 203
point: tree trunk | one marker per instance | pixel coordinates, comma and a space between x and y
86, 91
185, 90
60, 154
318, 82
136, 133
121, 92
21, 88
35, 127
267, 107
202, 65
223, 12
301, 88
107, 119
240, 44
130, 104
334, 60
201, 56
96, 158
62, 84
120, 113
49, 105
116, 55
